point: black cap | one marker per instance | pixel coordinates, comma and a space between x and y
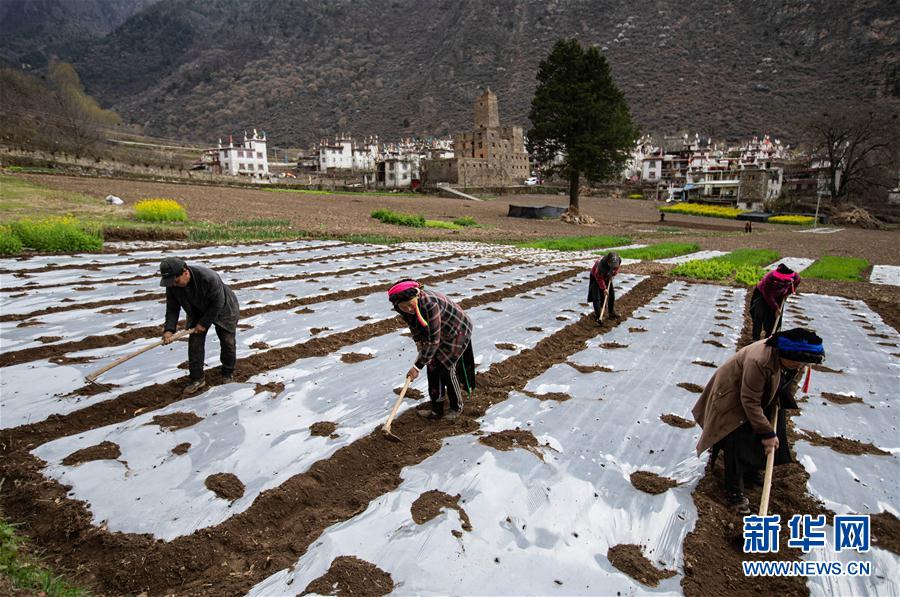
169, 268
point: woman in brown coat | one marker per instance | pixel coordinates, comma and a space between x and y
735, 408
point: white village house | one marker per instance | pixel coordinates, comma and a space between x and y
346, 154
247, 159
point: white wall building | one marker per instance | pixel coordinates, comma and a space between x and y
396, 172
247, 159
346, 154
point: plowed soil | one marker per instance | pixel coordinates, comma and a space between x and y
348, 575
841, 398
175, 421
429, 505
676, 421
103, 451
651, 482
842, 444
355, 357
323, 429
630, 559
225, 485
510, 439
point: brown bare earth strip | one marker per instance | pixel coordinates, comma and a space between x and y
283, 522
135, 298
53, 268
108, 340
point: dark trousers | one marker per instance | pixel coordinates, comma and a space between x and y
745, 455
454, 383
762, 316
197, 352
597, 295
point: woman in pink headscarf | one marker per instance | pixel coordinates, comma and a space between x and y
443, 334
768, 299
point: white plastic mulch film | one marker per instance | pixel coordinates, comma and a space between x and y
547, 517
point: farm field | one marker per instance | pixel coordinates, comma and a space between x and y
572, 471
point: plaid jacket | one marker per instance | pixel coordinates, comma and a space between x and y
448, 333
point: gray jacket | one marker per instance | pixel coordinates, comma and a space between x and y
206, 300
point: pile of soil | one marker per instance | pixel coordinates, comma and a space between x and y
841, 398
493, 309
323, 429
276, 387
590, 368
429, 505
317, 331
259, 345
91, 389
534, 328
651, 482
363, 317
103, 451
630, 559
411, 393
356, 357
555, 396
676, 421
348, 575
67, 360
886, 531
48, 339
225, 485
705, 364
841, 444
613, 345
715, 343
304, 311
506, 346
508, 439
175, 421
181, 448
857, 216
691, 387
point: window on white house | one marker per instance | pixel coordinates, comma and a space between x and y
259, 155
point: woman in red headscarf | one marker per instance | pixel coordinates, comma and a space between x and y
768, 299
600, 284
443, 334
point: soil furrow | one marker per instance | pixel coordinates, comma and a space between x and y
283, 522
108, 340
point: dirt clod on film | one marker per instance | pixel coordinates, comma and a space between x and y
429, 505
349, 575
630, 559
103, 451
651, 482
225, 485
676, 421
175, 421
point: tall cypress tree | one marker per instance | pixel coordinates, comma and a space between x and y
580, 120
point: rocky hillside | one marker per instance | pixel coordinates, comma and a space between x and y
302, 69
31, 31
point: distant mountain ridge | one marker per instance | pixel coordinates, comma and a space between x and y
304, 69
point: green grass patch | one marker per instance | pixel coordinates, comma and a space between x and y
442, 225
10, 244
369, 239
466, 222
750, 257
832, 267
792, 220
159, 210
228, 232
25, 571
698, 209
577, 243
711, 269
636, 196
660, 251
58, 235
387, 216
31, 169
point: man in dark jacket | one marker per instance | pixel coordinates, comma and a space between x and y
206, 301
600, 283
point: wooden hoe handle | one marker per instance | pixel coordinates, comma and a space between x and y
387, 425
95, 374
